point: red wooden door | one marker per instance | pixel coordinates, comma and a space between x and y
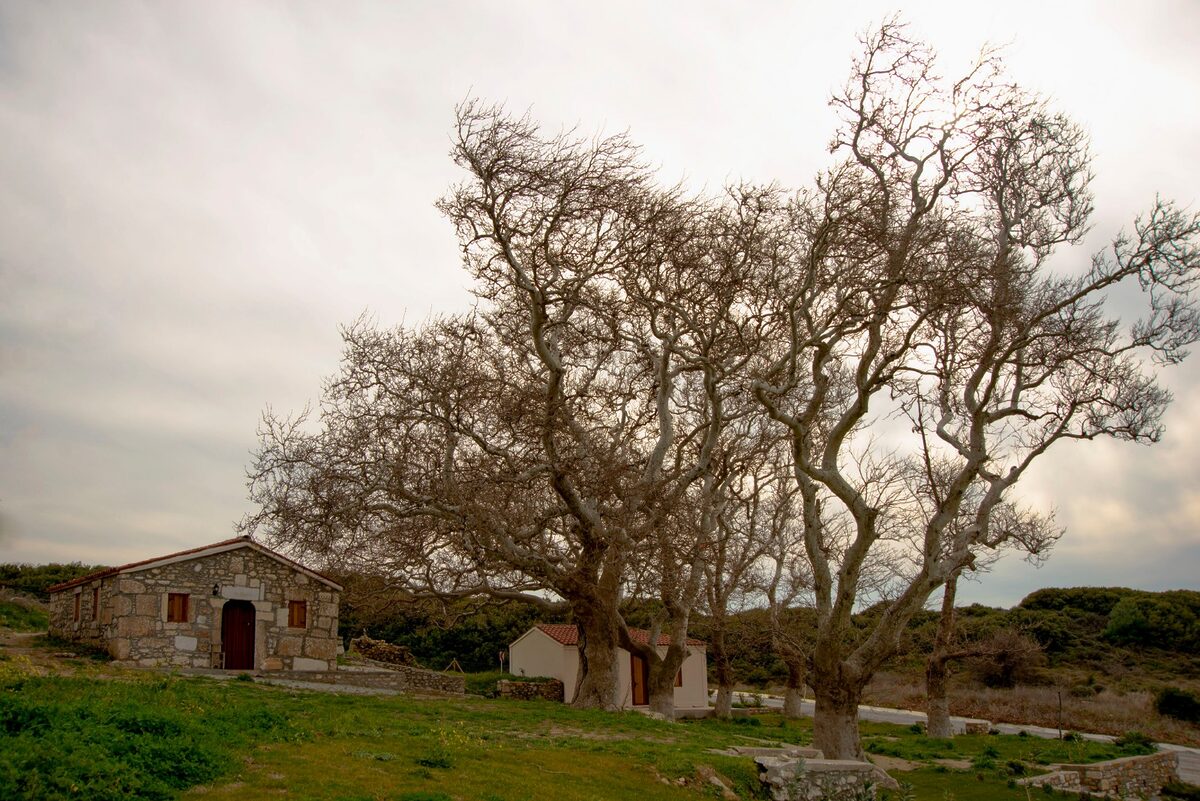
639, 678
237, 635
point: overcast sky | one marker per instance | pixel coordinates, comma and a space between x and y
193, 196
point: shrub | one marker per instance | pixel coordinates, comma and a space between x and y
22, 617
1135, 742
1179, 704
1181, 791
1010, 657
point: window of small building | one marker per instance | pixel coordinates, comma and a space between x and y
177, 607
77, 607
95, 602
297, 614
679, 678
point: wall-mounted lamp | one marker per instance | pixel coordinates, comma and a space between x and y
216, 590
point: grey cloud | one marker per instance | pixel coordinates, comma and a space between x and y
194, 196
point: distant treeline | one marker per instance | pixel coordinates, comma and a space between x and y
1084, 627
36, 579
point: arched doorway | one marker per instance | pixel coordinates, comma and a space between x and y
237, 635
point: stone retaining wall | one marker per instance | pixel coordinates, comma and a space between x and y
1131, 777
400, 679
551, 690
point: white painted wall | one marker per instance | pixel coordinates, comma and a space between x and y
536, 653
694, 692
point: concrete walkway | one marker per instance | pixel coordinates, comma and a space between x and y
1189, 758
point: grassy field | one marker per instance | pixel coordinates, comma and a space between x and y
108, 734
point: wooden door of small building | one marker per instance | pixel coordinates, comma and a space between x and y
639, 680
237, 635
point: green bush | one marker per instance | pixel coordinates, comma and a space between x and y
35, 579
20, 617
1179, 704
1135, 743
485, 683
1181, 791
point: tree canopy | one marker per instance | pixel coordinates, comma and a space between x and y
653, 383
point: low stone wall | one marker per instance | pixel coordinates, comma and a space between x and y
401, 679
794, 779
380, 651
551, 690
1131, 777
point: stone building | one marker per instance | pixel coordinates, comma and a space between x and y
234, 605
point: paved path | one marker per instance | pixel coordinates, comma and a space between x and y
1189, 758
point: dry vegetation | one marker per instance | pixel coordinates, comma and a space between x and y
1112, 712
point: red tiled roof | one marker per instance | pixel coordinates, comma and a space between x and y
568, 634
112, 571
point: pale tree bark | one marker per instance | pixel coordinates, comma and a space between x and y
920, 289
723, 673
936, 668
793, 693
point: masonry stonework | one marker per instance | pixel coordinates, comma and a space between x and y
132, 622
1130, 777
549, 690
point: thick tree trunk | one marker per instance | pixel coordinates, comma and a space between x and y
597, 687
724, 675
793, 694
835, 723
837, 687
723, 708
662, 691
937, 706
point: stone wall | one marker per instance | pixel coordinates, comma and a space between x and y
131, 620
381, 651
796, 779
401, 679
89, 628
551, 690
1131, 777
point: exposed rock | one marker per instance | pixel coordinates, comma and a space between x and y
707, 774
381, 651
798, 779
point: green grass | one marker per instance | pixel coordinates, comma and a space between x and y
133, 736
22, 618
902, 742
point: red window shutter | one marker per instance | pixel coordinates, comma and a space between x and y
298, 614
95, 602
77, 606
177, 607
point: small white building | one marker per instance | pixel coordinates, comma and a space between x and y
552, 650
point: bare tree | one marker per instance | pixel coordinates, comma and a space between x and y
744, 519
925, 294
553, 444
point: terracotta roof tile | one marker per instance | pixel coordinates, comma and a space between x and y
568, 634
